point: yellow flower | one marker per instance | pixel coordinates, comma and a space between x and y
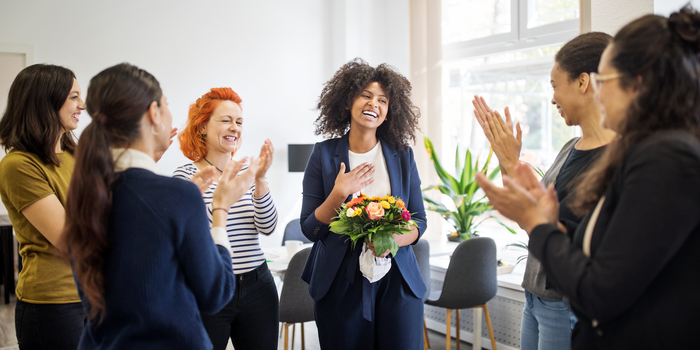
385, 204
391, 200
377, 199
358, 211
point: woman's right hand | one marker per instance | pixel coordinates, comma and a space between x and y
504, 143
519, 204
231, 187
354, 180
204, 178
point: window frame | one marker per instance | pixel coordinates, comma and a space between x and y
518, 39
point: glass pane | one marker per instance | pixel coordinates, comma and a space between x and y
471, 19
519, 80
541, 12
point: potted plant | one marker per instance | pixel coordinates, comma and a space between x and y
461, 189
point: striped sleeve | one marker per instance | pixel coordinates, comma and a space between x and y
265, 216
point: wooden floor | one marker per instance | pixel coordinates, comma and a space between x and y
8, 341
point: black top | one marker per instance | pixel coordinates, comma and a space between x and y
576, 163
637, 289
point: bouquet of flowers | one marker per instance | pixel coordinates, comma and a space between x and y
375, 218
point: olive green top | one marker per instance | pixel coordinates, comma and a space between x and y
24, 179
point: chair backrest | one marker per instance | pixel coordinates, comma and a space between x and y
470, 279
422, 252
296, 304
293, 232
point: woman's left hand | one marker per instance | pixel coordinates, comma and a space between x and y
517, 204
158, 155
265, 157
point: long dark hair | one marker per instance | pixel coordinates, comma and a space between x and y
117, 99
31, 122
663, 52
401, 124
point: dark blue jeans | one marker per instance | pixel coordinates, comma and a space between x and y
251, 318
49, 326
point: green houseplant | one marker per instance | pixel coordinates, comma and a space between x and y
461, 189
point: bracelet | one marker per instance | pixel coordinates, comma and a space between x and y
224, 209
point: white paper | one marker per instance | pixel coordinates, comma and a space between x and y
372, 267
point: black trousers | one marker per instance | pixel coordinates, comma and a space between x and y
251, 318
49, 326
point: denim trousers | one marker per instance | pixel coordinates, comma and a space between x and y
251, 318
546, 324
49, 326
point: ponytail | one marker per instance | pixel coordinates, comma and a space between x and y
117, 100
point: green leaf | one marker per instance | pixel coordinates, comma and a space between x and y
458, 167
383, 242
468, 173
494, 172
502, 224
446, 178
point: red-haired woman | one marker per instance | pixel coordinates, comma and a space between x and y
210, 138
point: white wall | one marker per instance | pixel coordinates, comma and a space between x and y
610, 15
666, 7
276, 54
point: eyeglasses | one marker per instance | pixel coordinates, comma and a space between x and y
598, 79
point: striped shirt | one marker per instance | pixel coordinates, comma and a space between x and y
246, 219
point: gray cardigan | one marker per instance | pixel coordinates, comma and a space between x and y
535, 280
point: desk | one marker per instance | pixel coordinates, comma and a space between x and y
278, 259
7, 253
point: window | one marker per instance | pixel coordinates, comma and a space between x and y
504, 51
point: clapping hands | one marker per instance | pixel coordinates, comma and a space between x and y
523, 199
231, 187
265, 158
504, 143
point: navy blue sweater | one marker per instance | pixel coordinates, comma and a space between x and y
162, 267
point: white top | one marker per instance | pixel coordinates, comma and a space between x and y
125, 158
381, 186
246, 219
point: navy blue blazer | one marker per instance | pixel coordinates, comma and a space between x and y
330, 248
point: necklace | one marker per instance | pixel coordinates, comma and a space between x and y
217, 168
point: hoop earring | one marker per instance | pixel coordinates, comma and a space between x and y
153, 130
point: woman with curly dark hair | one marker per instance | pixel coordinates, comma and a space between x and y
368, 114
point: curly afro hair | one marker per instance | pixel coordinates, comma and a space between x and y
399, 128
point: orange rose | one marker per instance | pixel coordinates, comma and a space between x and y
355, 201
401, 204
375, 211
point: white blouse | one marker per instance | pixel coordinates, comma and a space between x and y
381, 185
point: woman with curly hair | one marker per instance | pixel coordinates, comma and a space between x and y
211, 137
368, 114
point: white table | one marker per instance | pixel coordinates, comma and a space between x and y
278, 259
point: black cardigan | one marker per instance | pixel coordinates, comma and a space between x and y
639, 289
